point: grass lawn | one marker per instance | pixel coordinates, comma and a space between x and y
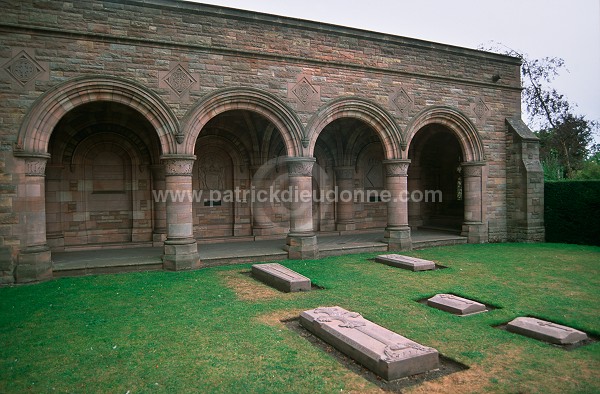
217, 330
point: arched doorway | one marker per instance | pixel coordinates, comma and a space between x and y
98, 179
368, 143
435, 180
447, 157
354, 155
239, 158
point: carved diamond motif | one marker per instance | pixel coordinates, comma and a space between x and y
304, 91
480, 109
402, 101
179, 80
23, 68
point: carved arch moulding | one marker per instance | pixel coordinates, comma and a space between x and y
361, 109
254, 100
454, 120
50, 107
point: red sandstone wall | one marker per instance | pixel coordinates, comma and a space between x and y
223, 48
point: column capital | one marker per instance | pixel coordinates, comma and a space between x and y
178, 165
396, 167
472, 168
344, 172
300, 166
35, 163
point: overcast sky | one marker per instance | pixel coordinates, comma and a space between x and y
568, 28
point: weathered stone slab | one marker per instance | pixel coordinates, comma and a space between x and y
280, 277
546, 331
406, 262
384, 352
454, 304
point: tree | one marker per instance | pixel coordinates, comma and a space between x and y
567, 142
565, 137
591, 167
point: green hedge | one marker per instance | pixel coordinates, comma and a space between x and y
572, 212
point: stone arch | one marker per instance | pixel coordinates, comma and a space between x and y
458, 123
250, 99
361, 109
49, 108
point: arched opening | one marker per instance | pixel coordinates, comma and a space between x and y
98, 180
351, 151
239, 162
435, 182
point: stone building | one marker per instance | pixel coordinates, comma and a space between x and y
104, 103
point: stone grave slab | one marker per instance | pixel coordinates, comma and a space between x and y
545, 331
280, 277
384, 352
454, 304
406, 262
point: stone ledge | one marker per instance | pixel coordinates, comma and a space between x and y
384, 352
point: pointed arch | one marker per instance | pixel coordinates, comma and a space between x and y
370, 113
49, 108
458, 123
250, 99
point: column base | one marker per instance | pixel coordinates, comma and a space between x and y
398, 238
34, 264
302, 247
181, 255
476, 232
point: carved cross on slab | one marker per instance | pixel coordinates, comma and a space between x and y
281, 278
558, 327
457, 305
457, 299
386, 353
546, 331
406, 262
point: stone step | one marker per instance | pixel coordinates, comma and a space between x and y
439, 242
384, 352
81, 270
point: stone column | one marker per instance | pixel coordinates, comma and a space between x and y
344, 218
397, 232
474, 226
415, 218
34, 262
159, 211
181, 249
301, 240
55, 235
262, 223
